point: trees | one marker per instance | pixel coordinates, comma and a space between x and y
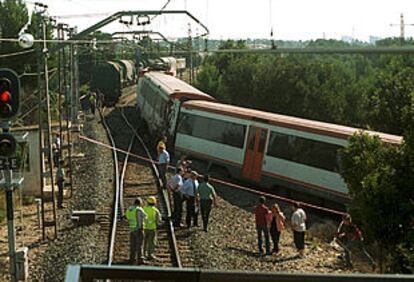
380, 181
392, 97
371, 91
368, 91
13, 17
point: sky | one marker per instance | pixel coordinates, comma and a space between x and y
236, 19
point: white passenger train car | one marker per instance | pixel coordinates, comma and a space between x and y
159, 97
280, 152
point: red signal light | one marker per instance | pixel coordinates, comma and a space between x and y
5, 96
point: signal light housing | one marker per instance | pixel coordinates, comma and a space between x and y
9, 94
7, 145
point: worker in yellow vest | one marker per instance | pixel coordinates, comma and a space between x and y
135, 215
150, 227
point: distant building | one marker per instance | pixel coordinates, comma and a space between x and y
258, 46
374, 39
347, 38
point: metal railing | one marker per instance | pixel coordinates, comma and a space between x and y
87, 273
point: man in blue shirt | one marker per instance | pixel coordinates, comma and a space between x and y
189, 191
163, 161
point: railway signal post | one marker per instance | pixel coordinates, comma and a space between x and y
9, 108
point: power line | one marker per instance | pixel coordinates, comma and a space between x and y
162, 8
16, 53
62, 41
92, 15
334, 50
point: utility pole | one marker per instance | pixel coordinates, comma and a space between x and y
190, 50
67, 91
402, 26
45, 134
10, 222
60, 108
272, 39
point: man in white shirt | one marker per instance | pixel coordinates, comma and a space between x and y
189, 191
174, 184
298, 222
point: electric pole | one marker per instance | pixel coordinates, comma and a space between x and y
402, 26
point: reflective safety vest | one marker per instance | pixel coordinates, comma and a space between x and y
92, 98
131, 215
150, 223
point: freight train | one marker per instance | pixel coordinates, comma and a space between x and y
109, 78
288, 155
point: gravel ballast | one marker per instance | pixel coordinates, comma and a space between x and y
93, 190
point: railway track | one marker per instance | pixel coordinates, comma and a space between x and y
137, 178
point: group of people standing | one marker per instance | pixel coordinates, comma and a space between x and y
143, 223
185, 187
271, 223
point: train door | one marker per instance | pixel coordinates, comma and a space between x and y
254, 154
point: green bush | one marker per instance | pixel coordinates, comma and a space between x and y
380, 178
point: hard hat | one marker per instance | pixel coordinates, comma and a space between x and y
152, 200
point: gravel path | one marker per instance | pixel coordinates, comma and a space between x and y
231, 242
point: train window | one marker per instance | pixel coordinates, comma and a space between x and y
305, 151
186, 124
219, 131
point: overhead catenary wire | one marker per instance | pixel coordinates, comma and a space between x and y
36, 73
16, 53
69, 41
316, 50
162, 8
92, 15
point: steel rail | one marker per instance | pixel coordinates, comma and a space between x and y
117, 188
173, 239
122, 177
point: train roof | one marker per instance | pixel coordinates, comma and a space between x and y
177, 88
318, 127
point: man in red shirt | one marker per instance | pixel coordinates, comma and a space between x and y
260, 213
350, 239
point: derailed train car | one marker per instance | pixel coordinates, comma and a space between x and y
292, 156
110, 77
160, 97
